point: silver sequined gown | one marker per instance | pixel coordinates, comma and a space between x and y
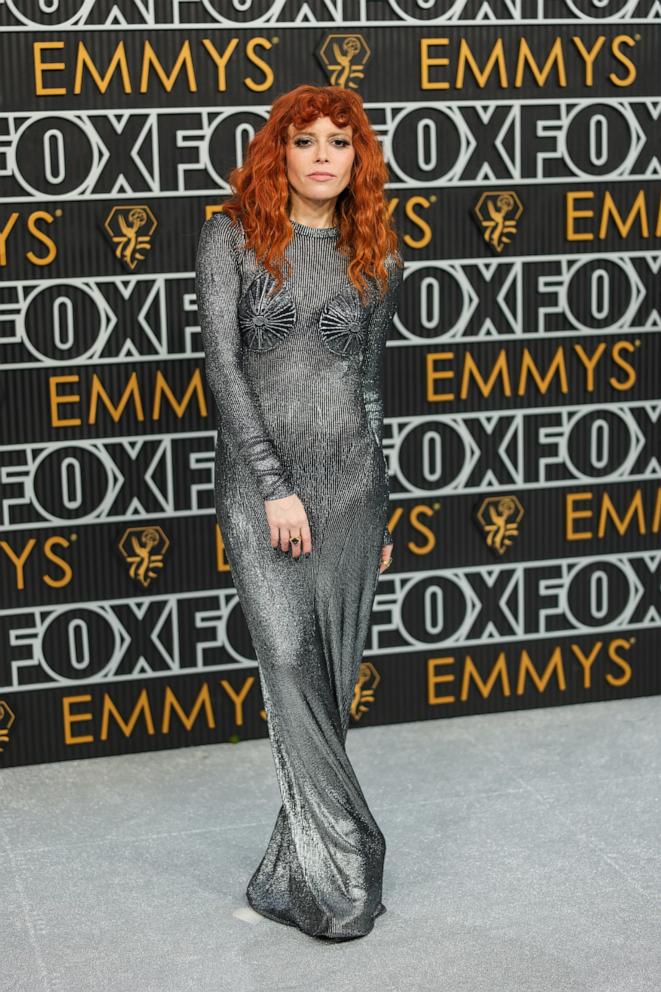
297, 381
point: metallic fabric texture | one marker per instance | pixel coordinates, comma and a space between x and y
297, 381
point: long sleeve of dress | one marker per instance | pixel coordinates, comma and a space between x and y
379, 326
217, 287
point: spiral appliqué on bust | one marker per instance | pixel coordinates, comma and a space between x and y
265, 321
342, 324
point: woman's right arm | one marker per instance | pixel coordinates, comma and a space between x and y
217, 287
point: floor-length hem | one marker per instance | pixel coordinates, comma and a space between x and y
335, 935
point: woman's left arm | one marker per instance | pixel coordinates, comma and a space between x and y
378, 330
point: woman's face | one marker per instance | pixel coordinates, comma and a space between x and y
320, 147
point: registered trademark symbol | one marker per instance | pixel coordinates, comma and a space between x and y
73, 537
58, 212
637, 342
436, 506
633, 640
275, 40
432, 198
637, 37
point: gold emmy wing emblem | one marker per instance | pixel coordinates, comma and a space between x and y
500, 517
144, 548
363, 693
498, 213
130, 229
344, 57
6, 720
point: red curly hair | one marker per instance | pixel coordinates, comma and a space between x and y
261, 189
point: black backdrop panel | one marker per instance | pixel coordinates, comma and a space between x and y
523, 141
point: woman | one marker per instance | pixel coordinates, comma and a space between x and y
294, 360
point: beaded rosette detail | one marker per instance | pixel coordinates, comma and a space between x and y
265, 320
342, 323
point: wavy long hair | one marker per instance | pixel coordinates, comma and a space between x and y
261, 190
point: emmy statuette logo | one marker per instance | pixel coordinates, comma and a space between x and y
499, 518
363, 693
497, 214
6, 720
130, 229
344, 56
144, 548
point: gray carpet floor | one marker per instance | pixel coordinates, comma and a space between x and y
524, 853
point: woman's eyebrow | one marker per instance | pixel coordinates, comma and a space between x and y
331, 134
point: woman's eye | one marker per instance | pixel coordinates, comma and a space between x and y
303, 141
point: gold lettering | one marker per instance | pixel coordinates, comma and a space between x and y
589, 363
623, 39
64, 565
571, 213
118, 60
19, 560
571, 515
433, 679
588, 56
620, 662
528, 365
586, 663
4, 234
608, 511
617, 348
69, 718
425, 228
497, 56
109, 708
40, 67
56, 401
202, 699
251, 53
131, 389
554, 56
526, 665
220, 61
624, 226
471, 674
418, 525
41, 236
431, 358
150, 59
500, 368
194, 386
427, 60
238, 697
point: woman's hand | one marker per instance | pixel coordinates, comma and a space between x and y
386, 554
287, 518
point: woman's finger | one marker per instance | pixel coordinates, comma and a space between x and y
306, 538
295, 547
386, 554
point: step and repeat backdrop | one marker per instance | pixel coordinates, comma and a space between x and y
522, 380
